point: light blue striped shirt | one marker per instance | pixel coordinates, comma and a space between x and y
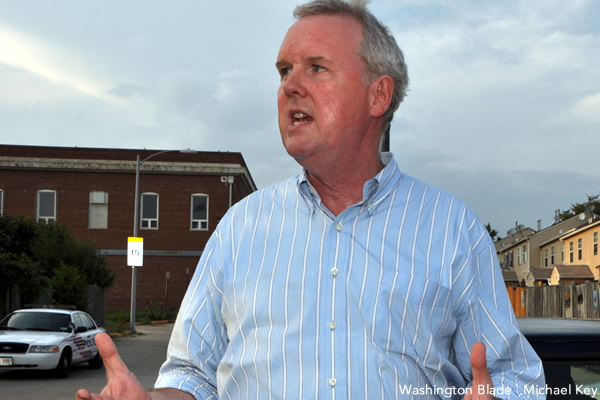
384, 301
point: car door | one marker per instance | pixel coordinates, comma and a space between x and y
90, 335
82, 339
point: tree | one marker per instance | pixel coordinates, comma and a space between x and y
23, 272
45, 259
592, 201
69, 286
493, 233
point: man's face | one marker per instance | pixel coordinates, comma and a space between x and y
322, 99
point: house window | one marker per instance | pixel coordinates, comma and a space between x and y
199, 212
149, 208
552, 255
571, 251
46, 206
519, 255
545, 257
1, 202
579, 248
98, 217
525, 253
595, 242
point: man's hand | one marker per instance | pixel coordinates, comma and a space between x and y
482, 385
121, 383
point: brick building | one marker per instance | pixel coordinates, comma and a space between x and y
183, 196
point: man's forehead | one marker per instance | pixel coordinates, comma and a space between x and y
322, 36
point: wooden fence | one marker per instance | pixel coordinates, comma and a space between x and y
561, 301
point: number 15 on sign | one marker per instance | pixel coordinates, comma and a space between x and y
135, 251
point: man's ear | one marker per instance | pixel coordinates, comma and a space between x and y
380, 95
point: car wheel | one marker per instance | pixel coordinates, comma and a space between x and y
64, 364
96, 362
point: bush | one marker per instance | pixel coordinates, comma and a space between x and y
69, 287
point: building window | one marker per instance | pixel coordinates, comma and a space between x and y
595, 242
552, 255
545, 257
199, 212
149, 208
1, 202
525, 253
46, 206
579, 248
519, 255
98, 218
571, 251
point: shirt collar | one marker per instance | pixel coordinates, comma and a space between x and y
374, 190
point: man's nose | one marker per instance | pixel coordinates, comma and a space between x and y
294, 83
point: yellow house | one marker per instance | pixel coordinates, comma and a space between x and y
581, 247
565, 274
521, 250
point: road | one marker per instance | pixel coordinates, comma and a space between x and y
143, 353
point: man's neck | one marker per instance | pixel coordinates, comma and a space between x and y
343, 187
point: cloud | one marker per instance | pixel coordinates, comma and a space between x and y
125, 90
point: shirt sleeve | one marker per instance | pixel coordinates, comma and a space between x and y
485, 314
199, 339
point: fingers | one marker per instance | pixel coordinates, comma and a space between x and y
482, 381
83, 394
478, 361
113, 364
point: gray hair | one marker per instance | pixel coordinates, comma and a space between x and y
378, 49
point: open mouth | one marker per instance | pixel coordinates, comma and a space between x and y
300, 118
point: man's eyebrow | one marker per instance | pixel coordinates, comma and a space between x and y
317, 60
280, 63
310, 60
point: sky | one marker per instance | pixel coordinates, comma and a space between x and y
503, 108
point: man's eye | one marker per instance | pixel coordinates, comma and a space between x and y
318, 68
283, 71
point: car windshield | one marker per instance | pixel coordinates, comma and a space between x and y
37, 321
572, 379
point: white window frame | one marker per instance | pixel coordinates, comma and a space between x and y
595, 243
198, 224
524, 254
552, 261
1, 202
45, 218
579, 248
149, 223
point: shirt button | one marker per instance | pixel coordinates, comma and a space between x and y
334, 271
371, 207
332, 325
332, 382
339, 227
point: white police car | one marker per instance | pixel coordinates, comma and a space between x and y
48, 339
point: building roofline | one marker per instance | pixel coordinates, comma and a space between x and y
124, 160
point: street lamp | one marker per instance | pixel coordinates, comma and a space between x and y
136, 214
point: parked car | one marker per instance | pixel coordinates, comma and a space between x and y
570, 352
48, 339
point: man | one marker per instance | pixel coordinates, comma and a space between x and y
352, 279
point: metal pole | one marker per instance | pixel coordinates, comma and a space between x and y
230, 182
136, 223
136, 213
